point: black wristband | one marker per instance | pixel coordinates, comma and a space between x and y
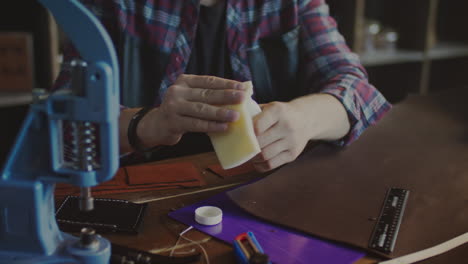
132, 135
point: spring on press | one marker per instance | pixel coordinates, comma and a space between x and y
80, 148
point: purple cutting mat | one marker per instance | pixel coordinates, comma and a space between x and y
282, 245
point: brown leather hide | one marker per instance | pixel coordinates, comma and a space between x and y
333, 193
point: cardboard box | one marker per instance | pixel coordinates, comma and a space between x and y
16, 62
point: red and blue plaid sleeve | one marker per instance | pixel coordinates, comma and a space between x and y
337, 71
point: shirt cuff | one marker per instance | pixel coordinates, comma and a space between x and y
364, 105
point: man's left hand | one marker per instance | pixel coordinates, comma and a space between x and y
281, 134
284, 129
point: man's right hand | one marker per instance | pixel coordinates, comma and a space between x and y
192, 104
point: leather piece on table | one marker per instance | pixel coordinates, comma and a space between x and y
119, 178
421, 145
239, 170
143, 178
109, 215
162, 173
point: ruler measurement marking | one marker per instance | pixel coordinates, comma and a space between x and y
384, 236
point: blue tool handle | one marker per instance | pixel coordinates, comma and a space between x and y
248, 250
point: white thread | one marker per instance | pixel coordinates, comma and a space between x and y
178, 248
207, 260
174, 247
185, 252
429, 252
185, 231
178, 239
181, 235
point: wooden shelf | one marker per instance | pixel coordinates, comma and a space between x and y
379, 58
448, 50
15, 99
443, 50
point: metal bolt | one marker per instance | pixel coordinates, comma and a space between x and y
86, 200
88, 238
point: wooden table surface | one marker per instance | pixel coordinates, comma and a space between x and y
159, 232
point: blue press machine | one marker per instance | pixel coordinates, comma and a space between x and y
69, 136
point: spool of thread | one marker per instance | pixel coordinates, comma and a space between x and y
208, 215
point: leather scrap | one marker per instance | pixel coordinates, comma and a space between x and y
162, 173
239, 170
145, 177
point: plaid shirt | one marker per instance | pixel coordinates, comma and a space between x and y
170, 26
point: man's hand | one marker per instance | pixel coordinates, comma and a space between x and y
281, 135
192, 104
283, 129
